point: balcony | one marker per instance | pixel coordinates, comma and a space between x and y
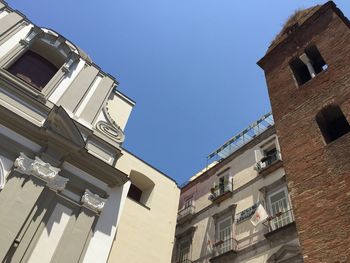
224, 249
185, 214
282, 222
269, 163
221, 192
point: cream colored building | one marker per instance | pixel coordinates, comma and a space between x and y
216, 206
147, 225
64, 176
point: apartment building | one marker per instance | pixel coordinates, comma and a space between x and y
307, 71
216, 205
65, 180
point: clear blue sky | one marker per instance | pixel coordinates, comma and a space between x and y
190, 65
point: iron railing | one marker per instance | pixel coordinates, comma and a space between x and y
245, 136
268, 160
189, 210
220, 189
224, 246
279, 220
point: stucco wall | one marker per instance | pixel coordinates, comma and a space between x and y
247, 185
146, 234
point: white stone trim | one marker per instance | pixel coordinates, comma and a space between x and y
23, 164
104, 232
93, 201
38, 168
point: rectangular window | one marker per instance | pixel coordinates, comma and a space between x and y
280, 209
188, 202
135, 193
225, 235
307, 65
267, 155
184, 251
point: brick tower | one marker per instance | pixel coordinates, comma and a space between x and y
307, 70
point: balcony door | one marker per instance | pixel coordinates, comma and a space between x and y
225, 235
279, 204
184, 251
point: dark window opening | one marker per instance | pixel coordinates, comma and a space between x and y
316, 63
135, 193
316, 59
33, 69
300, 71
270, 156
332, 123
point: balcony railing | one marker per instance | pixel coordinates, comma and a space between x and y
224, 246
268, 161
220, 190
279, 220
186, 212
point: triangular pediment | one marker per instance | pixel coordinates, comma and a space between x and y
60, 123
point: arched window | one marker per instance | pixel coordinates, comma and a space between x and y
38, 65
332, 123
42, 59
33, 69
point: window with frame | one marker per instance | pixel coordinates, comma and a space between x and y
224, 235
33, 69
188, 208
280, 209
267, 155
184, 250
222, 185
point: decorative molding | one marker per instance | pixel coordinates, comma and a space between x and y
93, 201
110, 131
110, 128
42, 170
23, 164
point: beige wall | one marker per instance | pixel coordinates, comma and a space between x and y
146, 234
247, 184
120, 108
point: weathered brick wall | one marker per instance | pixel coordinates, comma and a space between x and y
318, 174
